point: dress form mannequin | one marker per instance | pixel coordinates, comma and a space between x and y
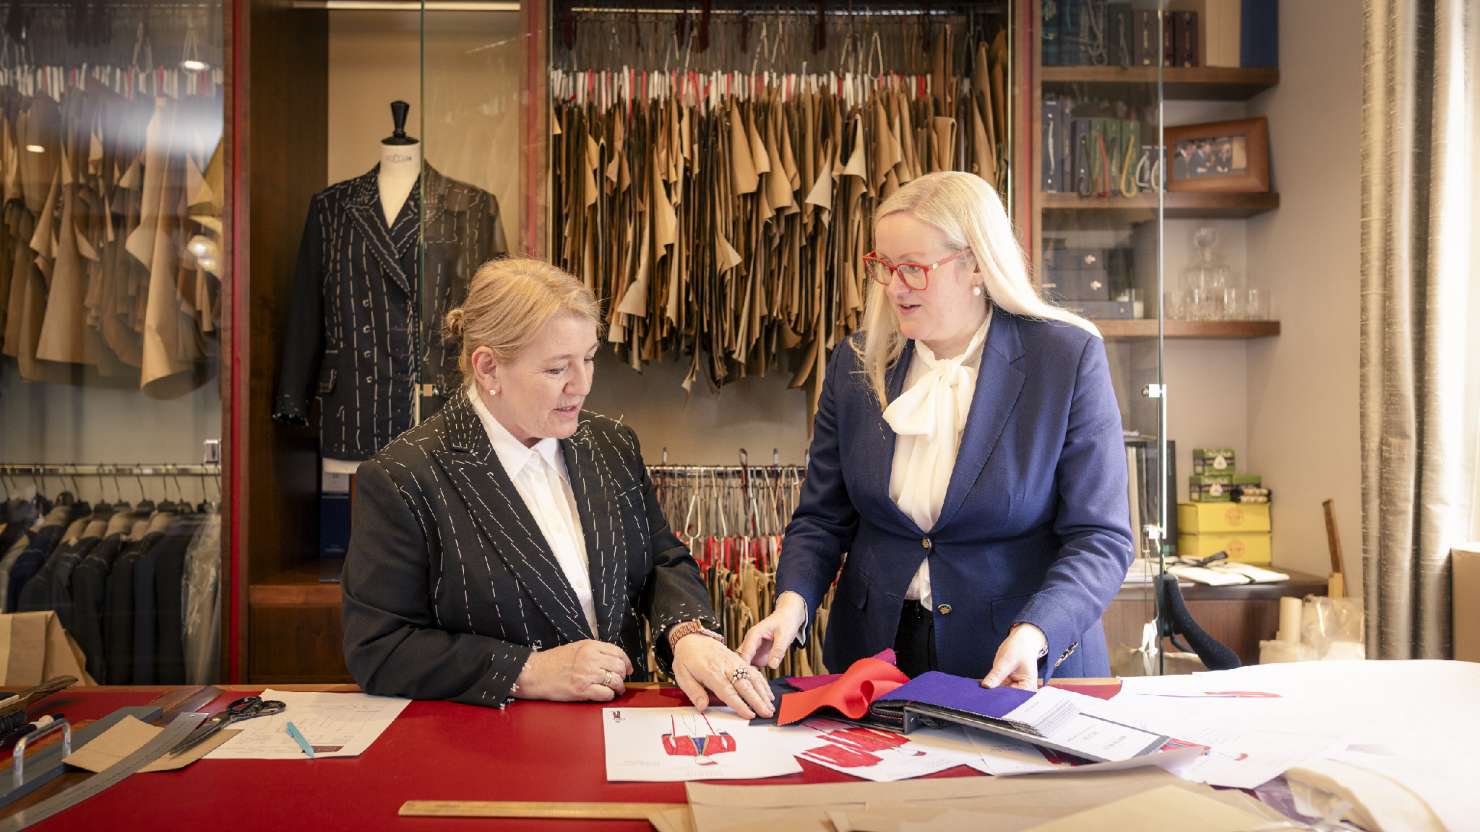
400, 164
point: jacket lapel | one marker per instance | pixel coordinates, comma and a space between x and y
506, 523
379, 240
605, 544
998, 385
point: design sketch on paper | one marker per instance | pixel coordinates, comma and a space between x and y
694, 743
676, 744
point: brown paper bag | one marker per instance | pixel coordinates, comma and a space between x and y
34, 648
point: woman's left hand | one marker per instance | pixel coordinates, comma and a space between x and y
1017, 659
703, 665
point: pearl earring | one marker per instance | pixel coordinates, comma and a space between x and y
976, 291
492, 391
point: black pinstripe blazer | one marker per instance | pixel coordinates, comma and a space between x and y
449, 585
364, 328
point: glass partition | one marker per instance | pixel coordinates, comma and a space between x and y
112, 279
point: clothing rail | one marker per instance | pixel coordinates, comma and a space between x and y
744, 462
117, 5
944, 10
727, 470
109, 469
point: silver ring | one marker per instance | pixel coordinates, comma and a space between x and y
738, 674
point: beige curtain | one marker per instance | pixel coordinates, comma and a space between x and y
1420, 315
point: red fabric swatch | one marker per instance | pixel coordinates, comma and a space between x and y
865, 681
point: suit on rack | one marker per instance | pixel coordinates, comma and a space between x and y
364, 329
119, 604
1034, 528
90, 592
449, 585
168, 590
39, 546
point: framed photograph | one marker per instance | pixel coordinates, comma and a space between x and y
1223, 156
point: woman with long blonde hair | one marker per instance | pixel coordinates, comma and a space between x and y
968, 459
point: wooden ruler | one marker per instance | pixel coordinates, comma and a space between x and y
532, 809
1336, 584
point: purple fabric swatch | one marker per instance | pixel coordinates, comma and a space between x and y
958, 693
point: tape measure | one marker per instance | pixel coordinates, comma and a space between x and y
107, 778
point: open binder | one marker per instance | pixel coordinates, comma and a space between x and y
876, 694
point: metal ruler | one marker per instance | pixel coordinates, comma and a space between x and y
112, 775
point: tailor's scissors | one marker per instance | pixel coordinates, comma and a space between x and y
248, 707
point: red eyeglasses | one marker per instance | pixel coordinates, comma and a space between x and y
915, 275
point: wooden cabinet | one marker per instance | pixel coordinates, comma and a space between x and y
295, 627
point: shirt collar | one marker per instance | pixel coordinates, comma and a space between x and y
513, 455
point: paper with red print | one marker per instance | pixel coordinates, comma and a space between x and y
882, 756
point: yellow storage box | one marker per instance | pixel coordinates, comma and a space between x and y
1244, 548
1222, 518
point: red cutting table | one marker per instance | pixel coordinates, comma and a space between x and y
543, 751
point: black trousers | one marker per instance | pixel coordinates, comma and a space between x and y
914, 642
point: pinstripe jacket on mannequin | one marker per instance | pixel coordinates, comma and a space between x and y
363, 306
448, 585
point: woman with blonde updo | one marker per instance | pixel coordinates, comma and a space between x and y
511, 545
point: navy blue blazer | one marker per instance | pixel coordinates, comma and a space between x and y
1035, 525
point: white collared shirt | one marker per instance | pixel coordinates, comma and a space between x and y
540, 477
928, 419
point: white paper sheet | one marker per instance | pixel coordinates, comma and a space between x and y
882, 756
1253, 758
335, 724
1417, 710
672, 744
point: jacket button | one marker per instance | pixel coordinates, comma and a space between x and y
925, 543
366, 353
365, 328
944, 609
366, 303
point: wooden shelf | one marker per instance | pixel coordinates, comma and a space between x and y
1141, 328
305, 585
1179, 205
1212, 83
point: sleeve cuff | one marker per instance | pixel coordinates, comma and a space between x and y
801, 639
290, 412
496, 687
